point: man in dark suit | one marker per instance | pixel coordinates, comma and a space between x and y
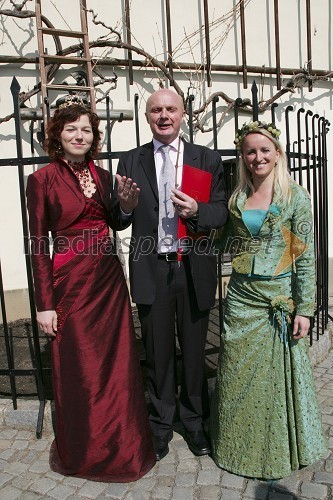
165, 288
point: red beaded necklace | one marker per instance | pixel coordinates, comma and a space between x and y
82, 172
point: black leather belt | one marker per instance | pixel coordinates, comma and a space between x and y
169, 257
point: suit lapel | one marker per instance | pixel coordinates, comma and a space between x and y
191, 156
146, 159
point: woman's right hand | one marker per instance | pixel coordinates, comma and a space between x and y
47, 321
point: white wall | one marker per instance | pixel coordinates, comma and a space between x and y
149, 31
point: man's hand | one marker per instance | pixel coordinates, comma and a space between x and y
47, 321
301, 327
128, 193
186, 206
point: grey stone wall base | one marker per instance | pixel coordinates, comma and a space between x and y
320, 348
26, 415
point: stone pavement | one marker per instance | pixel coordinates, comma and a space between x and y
25, 472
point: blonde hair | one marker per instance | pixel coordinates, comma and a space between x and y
282, 178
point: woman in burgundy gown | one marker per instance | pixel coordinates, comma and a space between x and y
102, 431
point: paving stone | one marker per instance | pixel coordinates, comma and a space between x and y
329, 465
39, 444
210, 493
330, 384
116, 490
280, 496
207, 463
29, 495
181, 493
232, 481
20, 444
166, 481
326, 392
74, 481
326, 363
8, 433
313, 490
23, 435
162, 492
327, 419
256, 489
10, 493
29, 456
209, 477
40, 466
44, 456
23, 482
152, 472
183, 479
319, 371
4, 478
227, 494
138, 495
16, 468
145, 484
91, 489
61, 492
5, 443
184, 453
55, 476
171, 457
5, 455
288, 485
188, 466
324, 477
326, 410
181, 444
166, 469
42, 486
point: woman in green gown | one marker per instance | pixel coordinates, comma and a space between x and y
265, 420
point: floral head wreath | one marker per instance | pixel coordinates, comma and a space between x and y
252, 127
71, 100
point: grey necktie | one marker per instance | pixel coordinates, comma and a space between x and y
168, 219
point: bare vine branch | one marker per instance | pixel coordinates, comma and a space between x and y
95, 21
297, 81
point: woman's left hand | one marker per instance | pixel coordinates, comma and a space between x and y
128, 193
301, 327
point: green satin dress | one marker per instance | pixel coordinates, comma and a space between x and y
265, 421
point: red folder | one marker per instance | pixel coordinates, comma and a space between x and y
197, 184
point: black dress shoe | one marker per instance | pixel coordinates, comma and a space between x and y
161, 447
197, 442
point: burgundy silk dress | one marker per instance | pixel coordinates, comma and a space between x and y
102, 431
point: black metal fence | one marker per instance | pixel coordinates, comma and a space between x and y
307, 156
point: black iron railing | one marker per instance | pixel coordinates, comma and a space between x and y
307, 162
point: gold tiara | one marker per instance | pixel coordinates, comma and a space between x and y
252, 127
71, 100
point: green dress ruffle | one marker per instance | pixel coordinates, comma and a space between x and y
265, 421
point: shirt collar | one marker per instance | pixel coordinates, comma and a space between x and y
158, 144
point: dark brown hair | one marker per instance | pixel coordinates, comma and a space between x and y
67, 115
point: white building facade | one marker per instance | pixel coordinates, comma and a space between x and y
213, 50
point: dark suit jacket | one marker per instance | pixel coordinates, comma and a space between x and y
55, 200
139, 165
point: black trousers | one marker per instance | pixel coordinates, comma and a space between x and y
175, 302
